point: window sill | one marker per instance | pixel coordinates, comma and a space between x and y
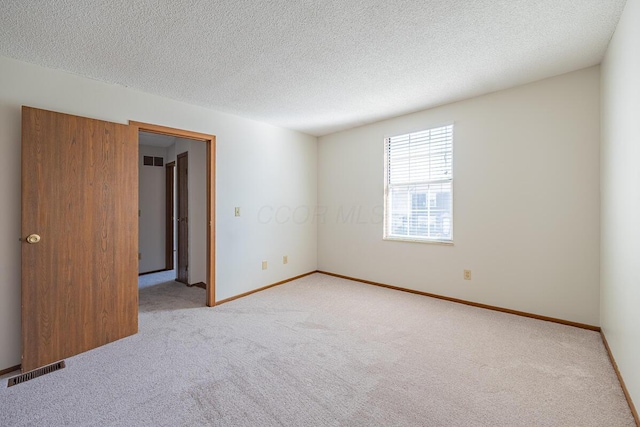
410, 240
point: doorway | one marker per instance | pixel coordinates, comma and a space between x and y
208, 219
79, 276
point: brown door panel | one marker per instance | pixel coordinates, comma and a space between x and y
183, 218
170, 217
79, 193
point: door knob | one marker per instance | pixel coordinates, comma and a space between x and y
33, 238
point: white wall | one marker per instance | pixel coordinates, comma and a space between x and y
620, 187
197, 190
257, 165
526, 203
151, 202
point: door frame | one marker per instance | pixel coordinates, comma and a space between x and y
169, 169
210, 140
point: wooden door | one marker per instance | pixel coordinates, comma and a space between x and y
183, 219
80, 196
170, 217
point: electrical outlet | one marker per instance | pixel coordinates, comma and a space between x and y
285, 259
264, 265
237, 211
467, 275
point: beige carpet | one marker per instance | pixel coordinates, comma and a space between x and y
147, 280
322, 351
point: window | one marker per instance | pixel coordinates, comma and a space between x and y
419, 186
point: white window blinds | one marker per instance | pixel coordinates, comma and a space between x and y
419, 184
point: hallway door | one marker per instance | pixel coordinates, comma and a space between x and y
79, 235
183, 218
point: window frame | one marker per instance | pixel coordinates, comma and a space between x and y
386, 212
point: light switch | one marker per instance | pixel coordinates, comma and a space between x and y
237, 211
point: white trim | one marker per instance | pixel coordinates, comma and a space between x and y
421, 129
410, 239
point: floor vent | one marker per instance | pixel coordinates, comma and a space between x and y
35, 373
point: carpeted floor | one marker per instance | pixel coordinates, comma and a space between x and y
153, 279
322, 351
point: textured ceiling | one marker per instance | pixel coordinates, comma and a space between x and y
314, 66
